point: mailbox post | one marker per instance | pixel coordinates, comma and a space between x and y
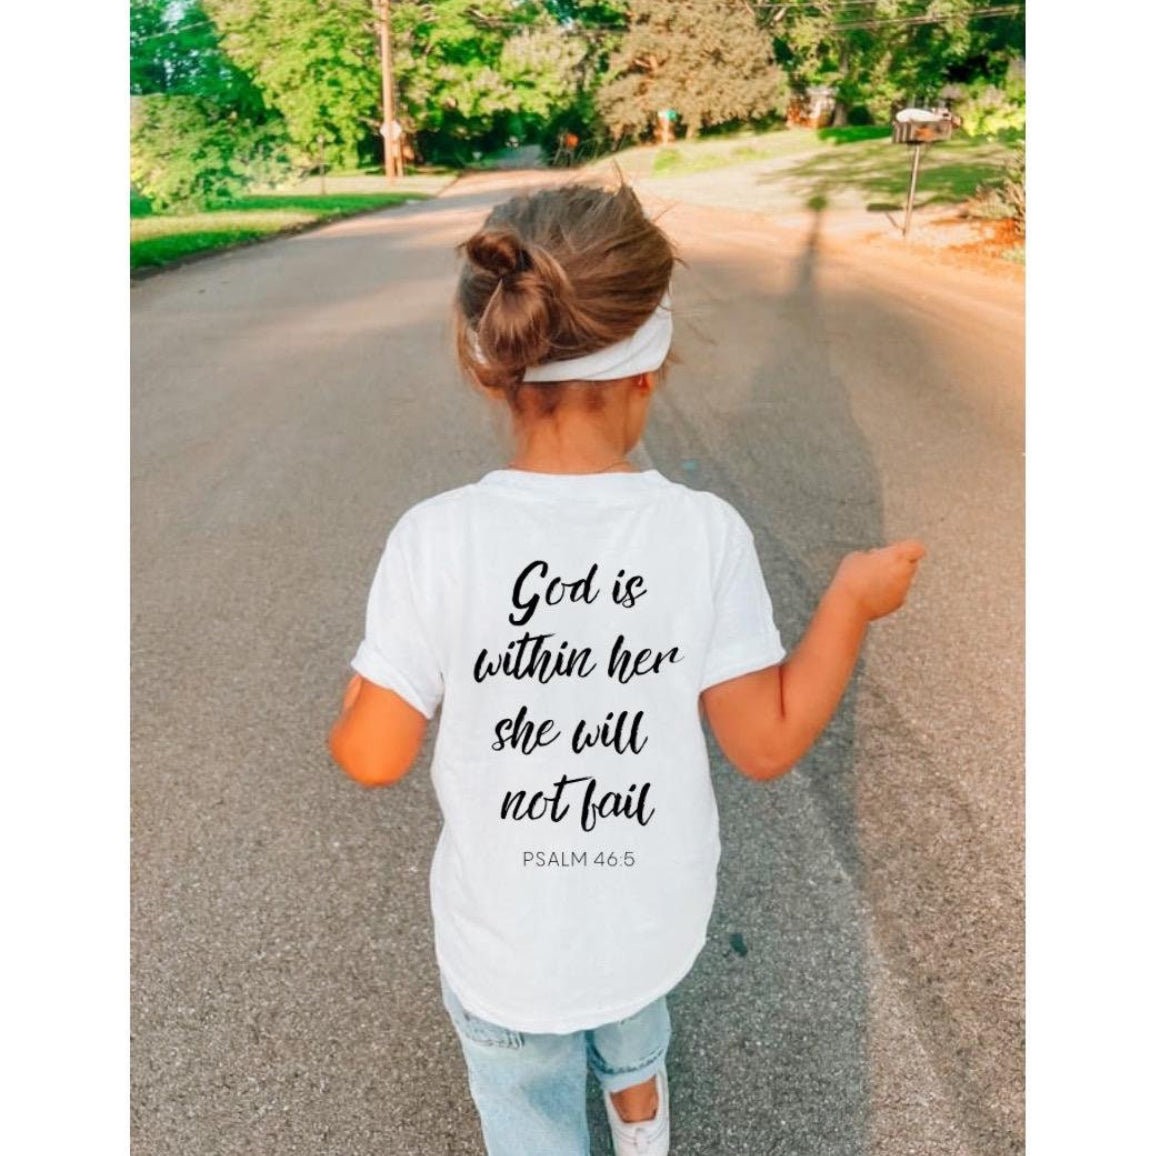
920, 127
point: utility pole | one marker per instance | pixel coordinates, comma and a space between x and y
391, 130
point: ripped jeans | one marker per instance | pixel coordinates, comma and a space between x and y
529, 1089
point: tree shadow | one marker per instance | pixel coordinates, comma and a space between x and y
944, 178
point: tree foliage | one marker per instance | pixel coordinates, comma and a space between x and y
884, 54
473, 72
993, 108
200, 130
175, 48
316, 63
187, 152
707, 59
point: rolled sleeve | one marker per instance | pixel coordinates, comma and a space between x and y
397, 652
744, 637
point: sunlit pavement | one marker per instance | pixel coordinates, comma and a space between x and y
862, 988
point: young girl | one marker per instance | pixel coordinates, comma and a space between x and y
577, 617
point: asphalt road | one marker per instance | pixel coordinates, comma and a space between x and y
289, 401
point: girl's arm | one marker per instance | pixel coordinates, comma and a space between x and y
377, 735
765, 721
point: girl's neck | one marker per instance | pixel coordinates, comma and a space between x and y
561, 466
569, 447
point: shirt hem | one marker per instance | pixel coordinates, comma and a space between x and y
582, 1020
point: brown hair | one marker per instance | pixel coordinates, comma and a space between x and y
553, 275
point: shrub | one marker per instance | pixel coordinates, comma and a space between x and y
186, 152
989, 204
986, 110
1004, 199
1014, 188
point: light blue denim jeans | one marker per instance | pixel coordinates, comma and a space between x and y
529, 1088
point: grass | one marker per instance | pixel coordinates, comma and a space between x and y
876, 173
686, 157
852, 133
675, 162
158, 239
855, 167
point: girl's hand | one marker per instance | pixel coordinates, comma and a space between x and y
878, 580
767, 719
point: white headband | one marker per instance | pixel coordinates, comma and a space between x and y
644, 350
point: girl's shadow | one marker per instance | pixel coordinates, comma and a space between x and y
770, 1027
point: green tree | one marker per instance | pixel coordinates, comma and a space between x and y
586, 15
885, 53
707, 59
542, 67
175, 48
473, 72
169, 46
188, 152
316, 63
200, 130
598, 27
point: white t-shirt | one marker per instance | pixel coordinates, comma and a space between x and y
567, 623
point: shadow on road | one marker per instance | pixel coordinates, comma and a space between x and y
771, 1025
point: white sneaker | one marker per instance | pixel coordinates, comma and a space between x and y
646, 1137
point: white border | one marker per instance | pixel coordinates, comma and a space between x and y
65, 834
1097, 581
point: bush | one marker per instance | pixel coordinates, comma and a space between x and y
1005, 199
989, 204
986, 110
186, 152
1014, 188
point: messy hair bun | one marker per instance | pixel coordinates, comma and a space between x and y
514, 328
555, 275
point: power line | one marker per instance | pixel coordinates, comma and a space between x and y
907, 21
840, 9
768, 4
826, 8
172, 31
